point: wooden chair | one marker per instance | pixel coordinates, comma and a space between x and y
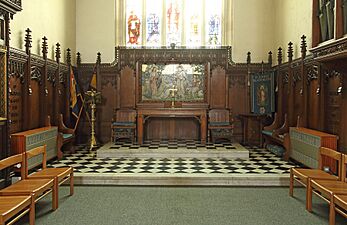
304, 176
60, 175
326, 189
12, 208
37, 188
220, 125
124, 125
339, 204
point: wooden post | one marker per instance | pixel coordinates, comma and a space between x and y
44, 85
26, 85
58, 87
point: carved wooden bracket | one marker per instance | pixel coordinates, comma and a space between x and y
312, 74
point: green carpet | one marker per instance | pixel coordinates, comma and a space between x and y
181, 205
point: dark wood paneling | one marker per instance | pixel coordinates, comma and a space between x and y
218, 88
127, 88
171, 128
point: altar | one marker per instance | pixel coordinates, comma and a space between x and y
197, 114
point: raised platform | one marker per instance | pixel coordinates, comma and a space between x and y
173, 150
263, 168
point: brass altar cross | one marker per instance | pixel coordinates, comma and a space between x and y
173, 92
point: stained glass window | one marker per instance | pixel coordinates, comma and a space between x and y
167, 22
193, 23
173, 22
213, 22
134, 19
153, 21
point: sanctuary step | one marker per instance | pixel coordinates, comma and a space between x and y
263, 168
173, 149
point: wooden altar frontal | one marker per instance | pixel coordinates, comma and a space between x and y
146, 113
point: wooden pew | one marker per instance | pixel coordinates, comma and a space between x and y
277, 133
66, 136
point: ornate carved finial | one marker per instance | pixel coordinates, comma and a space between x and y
28, 41
68, 56
57, 52
269, 59
248, 57
98, 58
79, 61
290, 51
279, 56
44, 47
303, 46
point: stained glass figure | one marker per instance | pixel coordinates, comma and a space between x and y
213, 22
194, 19
173, 21
154, 9
134, 22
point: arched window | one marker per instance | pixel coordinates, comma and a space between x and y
180, 22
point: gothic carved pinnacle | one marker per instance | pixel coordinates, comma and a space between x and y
79, 60
279, 56
303, 46
44, 47
248, 57
57, 52
68, 56
28, 41
290, 51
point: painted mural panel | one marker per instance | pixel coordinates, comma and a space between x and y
179, 82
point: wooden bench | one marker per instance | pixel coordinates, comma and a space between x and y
277, 133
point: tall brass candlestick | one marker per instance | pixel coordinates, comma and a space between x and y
94, 98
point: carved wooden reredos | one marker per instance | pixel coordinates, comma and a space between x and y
226, 82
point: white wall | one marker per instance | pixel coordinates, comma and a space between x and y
293, 19
95, 30
253, 29
258, 26
55, 19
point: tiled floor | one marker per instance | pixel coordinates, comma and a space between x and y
261, 162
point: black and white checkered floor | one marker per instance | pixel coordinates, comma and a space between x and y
261, 161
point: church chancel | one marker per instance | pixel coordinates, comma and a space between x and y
177, 94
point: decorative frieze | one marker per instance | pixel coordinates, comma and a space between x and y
215, 56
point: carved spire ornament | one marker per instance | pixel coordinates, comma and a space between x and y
303, 46
290, 51
44, 48
28, 41
78, 60
279, 56
68, 56
98, 58
248, 57
57, 53
269, 59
